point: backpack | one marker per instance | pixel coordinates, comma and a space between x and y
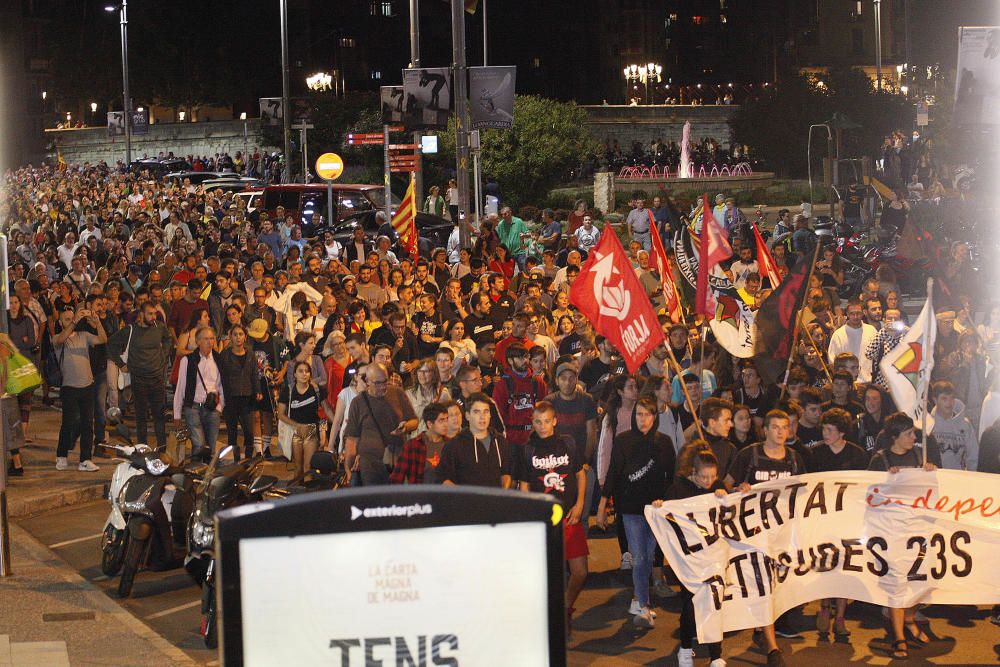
509, 381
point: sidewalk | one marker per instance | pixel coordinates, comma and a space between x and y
52, 616
44, 488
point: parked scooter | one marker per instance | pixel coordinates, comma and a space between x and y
222, 486
149, 507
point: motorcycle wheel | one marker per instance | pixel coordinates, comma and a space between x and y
113, 545
133, 557
208, 630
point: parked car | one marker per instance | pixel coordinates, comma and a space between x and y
159, 168
197, 177
232, 183
251, 198
354, 205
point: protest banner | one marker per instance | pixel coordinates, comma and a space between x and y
893, 540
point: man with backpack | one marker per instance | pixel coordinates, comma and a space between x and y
516, 393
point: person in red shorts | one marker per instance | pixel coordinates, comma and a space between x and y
550, 463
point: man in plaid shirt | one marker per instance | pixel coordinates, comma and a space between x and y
421, 455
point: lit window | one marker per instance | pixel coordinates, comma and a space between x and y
386, 8
673, 17
722, 18
347, 42
698, 20
376, 75
537, 62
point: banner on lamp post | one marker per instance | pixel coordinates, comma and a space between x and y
427, 98
491, 97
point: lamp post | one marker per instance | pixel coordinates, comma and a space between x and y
123, 19
93, 112
878, 44
644, 74
286, 111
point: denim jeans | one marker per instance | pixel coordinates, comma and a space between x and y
641, 544
203, 426
77, 421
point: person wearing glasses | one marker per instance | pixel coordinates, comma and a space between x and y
377, 421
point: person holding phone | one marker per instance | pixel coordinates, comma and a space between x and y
77, 392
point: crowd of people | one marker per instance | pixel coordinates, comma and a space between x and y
469, 366
708, 152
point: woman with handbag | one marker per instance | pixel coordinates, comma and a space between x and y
24, 335
13, 435
299, 406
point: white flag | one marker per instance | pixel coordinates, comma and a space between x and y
907, 368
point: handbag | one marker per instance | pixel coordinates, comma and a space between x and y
393, 446
22, 375
53, 367
125, 379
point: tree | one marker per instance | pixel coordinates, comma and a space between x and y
548, 138
775, 127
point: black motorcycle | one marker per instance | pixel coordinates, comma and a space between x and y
222, 486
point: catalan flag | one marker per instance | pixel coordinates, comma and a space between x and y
404, 221
61, 160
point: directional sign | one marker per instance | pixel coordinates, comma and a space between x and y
329, 166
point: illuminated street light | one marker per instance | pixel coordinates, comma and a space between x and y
182, 115
44, 94
319, 81
93, 107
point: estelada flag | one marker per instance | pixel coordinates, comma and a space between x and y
610, 295
775, 323
907, 367
765, 261
714, 247
404, 221
660, 262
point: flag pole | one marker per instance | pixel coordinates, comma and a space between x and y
818, 353
687, 396
798, 321
926, 383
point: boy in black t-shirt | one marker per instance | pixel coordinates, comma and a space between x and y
548, 463
763, 462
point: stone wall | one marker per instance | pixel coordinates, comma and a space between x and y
666, 122
94, 144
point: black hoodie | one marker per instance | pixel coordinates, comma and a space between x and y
640, 470
465, 460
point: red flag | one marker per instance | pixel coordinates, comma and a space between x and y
660, 261
714, 248
765, 260
610, 295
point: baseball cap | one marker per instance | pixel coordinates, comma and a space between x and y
566, 366
258, 329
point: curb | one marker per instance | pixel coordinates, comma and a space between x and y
21, 508
101, 602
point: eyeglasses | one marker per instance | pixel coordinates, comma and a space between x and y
378, 383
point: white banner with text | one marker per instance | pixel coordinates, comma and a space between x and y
893, 540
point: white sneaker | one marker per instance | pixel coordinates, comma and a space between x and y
644, 619
635, 608
718, 662
88, 466
685, 657
61, 463
626, 561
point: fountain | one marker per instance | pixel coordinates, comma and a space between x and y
685, 168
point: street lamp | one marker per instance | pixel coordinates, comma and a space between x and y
319, 81
643, 73
93, 112
123, 19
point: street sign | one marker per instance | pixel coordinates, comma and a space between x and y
329, 166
